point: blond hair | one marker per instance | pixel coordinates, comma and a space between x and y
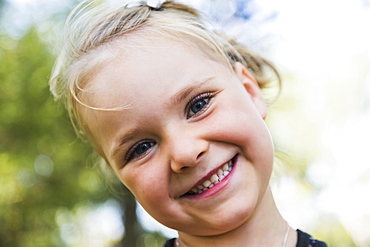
93, 25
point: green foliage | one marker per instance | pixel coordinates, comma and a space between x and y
154, 239
333, 232
43, 167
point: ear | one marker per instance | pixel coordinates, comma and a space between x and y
252, 87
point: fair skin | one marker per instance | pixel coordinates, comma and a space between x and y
188, 116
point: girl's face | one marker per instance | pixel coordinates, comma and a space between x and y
191, 145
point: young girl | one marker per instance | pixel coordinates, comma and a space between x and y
176, 111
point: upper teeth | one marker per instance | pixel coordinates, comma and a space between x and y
213, 180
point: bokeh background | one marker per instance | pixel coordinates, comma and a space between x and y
51, 194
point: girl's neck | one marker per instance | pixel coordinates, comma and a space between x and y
265, 228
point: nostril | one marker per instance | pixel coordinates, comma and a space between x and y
200, 155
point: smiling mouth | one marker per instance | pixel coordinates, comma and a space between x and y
217, 177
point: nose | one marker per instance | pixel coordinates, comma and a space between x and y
186, 149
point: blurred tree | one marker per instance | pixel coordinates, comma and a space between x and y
31, 126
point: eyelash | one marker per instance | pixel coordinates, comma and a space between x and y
205, 96
131, 153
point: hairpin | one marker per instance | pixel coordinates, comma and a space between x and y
155, 4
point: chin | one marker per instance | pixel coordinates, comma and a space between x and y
220, 224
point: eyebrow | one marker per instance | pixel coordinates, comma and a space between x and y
122, 140
184, 93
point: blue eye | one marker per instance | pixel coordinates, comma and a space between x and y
139, 149
198, 104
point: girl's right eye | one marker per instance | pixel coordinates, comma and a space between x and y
139, 149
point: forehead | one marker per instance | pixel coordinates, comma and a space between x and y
130, 64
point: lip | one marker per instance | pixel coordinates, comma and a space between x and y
216, 188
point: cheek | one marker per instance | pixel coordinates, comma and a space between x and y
147, 183
239, 123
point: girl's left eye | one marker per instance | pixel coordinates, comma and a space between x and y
198, 104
